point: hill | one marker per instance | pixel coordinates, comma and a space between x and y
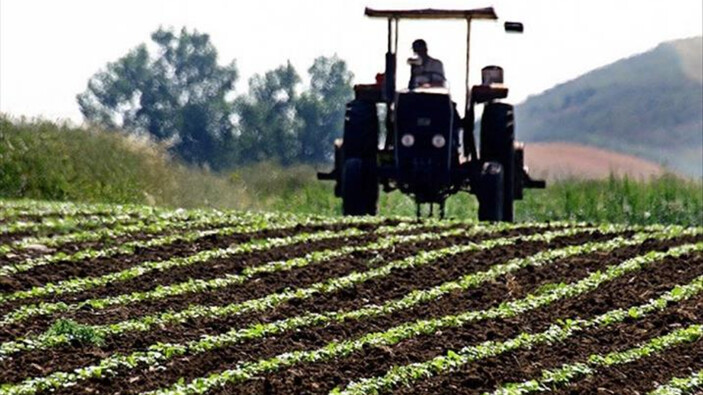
558, 161
649, 105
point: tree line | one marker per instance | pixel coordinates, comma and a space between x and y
177, 93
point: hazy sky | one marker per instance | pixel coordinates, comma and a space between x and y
50, 48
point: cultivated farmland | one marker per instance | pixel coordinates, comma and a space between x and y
101, 299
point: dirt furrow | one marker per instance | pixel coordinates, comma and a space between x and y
278, 281
642, 376
302, 339
38, 324
17, 256
99, 266
43, 231
202, 270
519, 284
487, 374
116, 313
376, 361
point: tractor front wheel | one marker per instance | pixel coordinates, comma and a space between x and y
359, 187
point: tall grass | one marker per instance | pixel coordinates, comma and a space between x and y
45, 160
42, 160
664, 199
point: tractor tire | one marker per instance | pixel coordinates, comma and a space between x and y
359, 187
498, 145
490, 193
361, 130
519, 166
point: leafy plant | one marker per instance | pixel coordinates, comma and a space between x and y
76, 333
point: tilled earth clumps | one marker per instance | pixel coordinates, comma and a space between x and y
136, 301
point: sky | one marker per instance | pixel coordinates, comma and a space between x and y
49, 49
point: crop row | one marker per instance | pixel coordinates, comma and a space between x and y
247, 224
569, 372
158, 222
244, 224
160, 352
412, 299
75, 285
67, 224
17, 209
29, 208
410, 373
68, 220
179, 220
681, 385
195, 285
12, 208
147, 322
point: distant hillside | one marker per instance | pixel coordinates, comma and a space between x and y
558, 161
649, 105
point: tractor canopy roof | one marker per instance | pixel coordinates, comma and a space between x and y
431, 13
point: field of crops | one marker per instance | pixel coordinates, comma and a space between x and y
99, 299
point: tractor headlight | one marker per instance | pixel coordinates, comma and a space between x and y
407, 140
439, 141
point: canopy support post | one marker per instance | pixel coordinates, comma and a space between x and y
467, 103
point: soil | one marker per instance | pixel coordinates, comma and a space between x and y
641, 376
99, 266
376, 361
17, 256
308, 378
197, 328
6, 238
254, 289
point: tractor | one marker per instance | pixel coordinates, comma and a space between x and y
429, 151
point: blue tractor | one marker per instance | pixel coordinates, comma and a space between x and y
430, 151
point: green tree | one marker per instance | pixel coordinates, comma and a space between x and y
268, 123
278, 123
178, 94
321, 108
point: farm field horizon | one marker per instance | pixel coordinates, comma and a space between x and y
96, 297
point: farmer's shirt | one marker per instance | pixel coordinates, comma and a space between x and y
431, 71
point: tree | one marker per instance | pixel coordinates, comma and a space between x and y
321, 108
179, 94
268, 123
277, 123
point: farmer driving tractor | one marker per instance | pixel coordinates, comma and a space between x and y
424, 70
430, 151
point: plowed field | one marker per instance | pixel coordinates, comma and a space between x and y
99, 299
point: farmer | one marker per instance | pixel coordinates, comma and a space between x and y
424, 70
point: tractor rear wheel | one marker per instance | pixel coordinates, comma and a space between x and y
361, 130
498, 145
359, 175
359, 187
490, 193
